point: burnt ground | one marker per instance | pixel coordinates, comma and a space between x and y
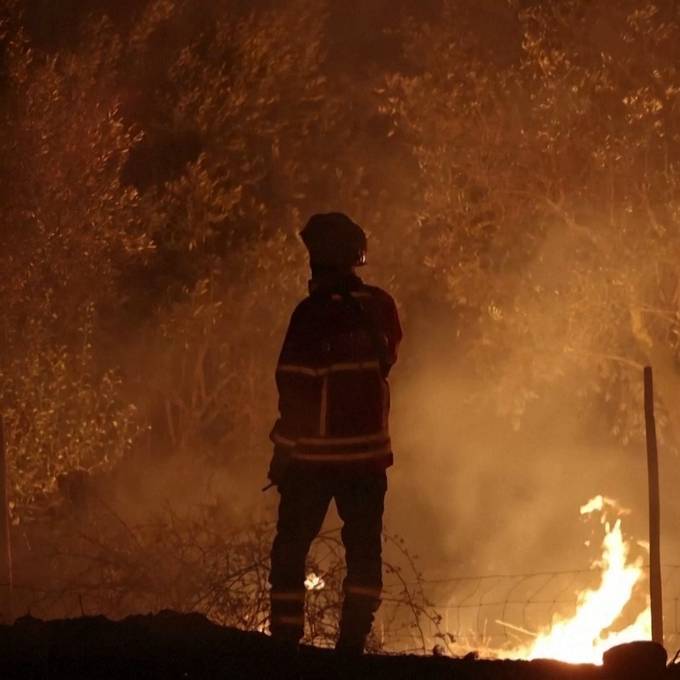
172, 645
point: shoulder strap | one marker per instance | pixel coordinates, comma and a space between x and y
369, 324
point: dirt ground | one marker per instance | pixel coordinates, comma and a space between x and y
173, 645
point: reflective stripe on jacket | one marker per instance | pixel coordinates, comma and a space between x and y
332, 377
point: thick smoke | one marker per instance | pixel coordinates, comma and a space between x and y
476, 492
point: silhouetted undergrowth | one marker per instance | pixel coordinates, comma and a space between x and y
93, 561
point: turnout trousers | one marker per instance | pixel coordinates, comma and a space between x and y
304, 502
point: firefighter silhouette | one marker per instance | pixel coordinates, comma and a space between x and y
331, 440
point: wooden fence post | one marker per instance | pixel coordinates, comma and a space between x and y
654, 511
5, 540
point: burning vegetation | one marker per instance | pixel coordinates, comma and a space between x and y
517, 167
585, 636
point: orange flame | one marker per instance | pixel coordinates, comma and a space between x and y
314, 582
584, 637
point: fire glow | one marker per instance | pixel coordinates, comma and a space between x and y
314, 582
585, 636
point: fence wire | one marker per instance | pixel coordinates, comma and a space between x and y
505, 611
198, 563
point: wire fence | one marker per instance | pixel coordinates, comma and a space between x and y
505, 611
100, 564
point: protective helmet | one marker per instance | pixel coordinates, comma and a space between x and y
333, 240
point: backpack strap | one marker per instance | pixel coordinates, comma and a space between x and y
368, 323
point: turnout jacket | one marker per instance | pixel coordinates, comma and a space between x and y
332, 377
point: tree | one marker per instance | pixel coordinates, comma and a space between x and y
549, 180
68, 228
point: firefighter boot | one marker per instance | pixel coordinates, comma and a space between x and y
354, 629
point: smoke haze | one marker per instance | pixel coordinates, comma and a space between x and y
516, 170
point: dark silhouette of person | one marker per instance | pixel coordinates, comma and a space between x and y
332, 439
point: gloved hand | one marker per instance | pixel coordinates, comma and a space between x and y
279, 466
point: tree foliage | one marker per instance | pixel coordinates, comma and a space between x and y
515, 164
550, 188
